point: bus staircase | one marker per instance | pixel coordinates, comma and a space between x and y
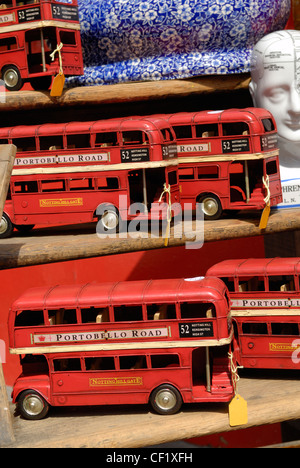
221, 379
238, 196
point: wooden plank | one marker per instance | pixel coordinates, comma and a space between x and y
272, 397
6, 425
124, 92
49, 245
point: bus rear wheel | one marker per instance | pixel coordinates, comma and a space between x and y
12, 78
108, 219
32, 405
166, 399
211, 206
6, 227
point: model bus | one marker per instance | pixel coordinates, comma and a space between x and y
83, 171
161, 341
265, 296
228, 160
37, 38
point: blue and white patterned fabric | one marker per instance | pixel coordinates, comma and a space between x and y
138, 40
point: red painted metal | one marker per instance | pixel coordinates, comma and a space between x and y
265, 299
219, 150
29, 33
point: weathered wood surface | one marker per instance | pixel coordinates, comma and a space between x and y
272, 398
71, 243
124, 92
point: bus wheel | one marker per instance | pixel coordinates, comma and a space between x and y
108, 220
32, 406
6, 227
166, 399
211, 206
12, 78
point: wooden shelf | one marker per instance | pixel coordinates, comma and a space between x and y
272, 397
71, 243
124, 92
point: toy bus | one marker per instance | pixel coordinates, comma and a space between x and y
81, 172
163, 341
39, 39
265, 296
228, 160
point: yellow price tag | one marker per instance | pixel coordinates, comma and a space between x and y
265, 217
238, 412
58, 85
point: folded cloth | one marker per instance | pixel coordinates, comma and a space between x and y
142, 40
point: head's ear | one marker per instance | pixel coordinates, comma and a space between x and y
252, 90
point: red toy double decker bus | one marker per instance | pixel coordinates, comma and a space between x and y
79, 172
228, 160
163, 341
265, 296
38, 38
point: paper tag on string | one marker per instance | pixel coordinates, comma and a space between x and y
265, 217
58, 85
238, 411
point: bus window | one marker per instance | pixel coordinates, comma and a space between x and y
252, 328
3, 141
8, 4
132, 362
167, 135
107, 183
197, 310
268, 125
172, 178
95, 315
29, 318
8, 43
68, 37
183, 131
251, 284
235, 128
106, 139
229, 283
271, 167
281, 283
135, 137
128, 313
208, 172
62, 316
25, 187
100, 363
207, 130
78, 141
53, 185
161, 311
51, 143
24, 144
81, 184
69, 364
186, 173
284, 329
164, 360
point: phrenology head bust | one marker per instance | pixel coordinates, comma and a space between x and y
275, 84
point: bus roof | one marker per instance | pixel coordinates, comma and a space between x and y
256, 266
128, 292
119, 124
250, 114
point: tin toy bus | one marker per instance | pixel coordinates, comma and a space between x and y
265, 299
163, 341
86, 171
228, 160
38, 39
